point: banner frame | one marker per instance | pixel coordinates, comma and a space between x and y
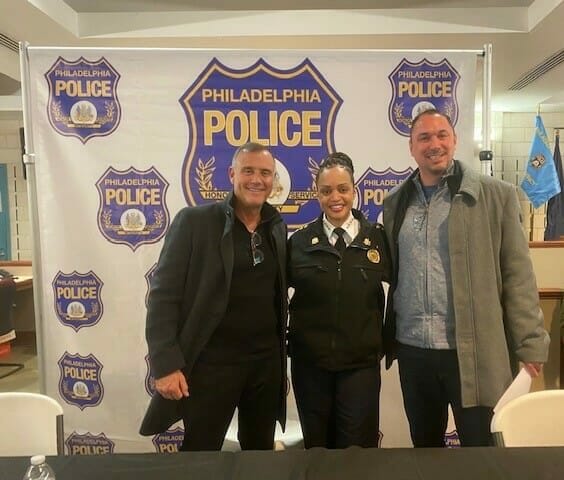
29, 156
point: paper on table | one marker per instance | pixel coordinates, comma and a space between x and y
520, 386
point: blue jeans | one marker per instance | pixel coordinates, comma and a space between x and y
430, 380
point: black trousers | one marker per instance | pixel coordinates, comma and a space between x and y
337, 409
217, 389
430, 381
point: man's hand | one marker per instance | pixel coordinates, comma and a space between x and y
173, 386
534, 369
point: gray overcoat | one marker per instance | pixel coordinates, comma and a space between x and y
497, 314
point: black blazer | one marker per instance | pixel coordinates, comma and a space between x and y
189, 296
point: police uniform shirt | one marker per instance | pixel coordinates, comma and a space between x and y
351, 226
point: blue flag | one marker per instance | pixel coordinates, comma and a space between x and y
541, 181
555, 210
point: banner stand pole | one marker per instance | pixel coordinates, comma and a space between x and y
29, 161
486, 155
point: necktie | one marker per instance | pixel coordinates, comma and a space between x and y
340, 244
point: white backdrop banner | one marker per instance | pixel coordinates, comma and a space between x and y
124, 138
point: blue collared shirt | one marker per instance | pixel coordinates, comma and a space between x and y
423, 298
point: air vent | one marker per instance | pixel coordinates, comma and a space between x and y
8, 43
537, 72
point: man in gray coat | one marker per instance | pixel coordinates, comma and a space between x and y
464, 308
216, 317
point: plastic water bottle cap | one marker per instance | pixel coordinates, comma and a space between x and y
37, 459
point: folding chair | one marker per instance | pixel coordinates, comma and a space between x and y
32, 424
532, 420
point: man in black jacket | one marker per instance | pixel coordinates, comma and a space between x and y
217, 315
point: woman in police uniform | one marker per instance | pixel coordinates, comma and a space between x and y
337, 265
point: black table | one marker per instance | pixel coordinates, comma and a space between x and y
353, 463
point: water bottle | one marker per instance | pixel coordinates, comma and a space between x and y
39, 470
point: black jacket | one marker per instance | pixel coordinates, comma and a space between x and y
189, 296
337, 309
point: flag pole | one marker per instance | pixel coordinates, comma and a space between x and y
531, 222
531, 208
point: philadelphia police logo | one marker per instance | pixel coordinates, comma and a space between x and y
88, 444
373, 186
293, 112
421, 86
149, 378
452, 440
83, 99
132, 207
148, 277
169, 441
80, 383
78, 301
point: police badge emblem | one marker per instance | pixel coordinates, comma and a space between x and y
132, 207
148, 277
169, 441
373, 255
89, 444
78, 301
292, 111
452, 440
373, 186
420, 86
80, 382
149, 378
83, 99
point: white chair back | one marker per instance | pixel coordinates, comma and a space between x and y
32, 424
532, 420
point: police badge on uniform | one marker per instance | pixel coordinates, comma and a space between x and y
83, 99
89, 444
373, 186
80, 382
292, 112
373, 255
78, 301
420, 86
132, 208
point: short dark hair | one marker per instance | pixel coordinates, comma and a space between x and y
250, 147
336, 159
431, 111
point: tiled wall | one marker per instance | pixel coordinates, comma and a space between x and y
511, 140
10, 154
